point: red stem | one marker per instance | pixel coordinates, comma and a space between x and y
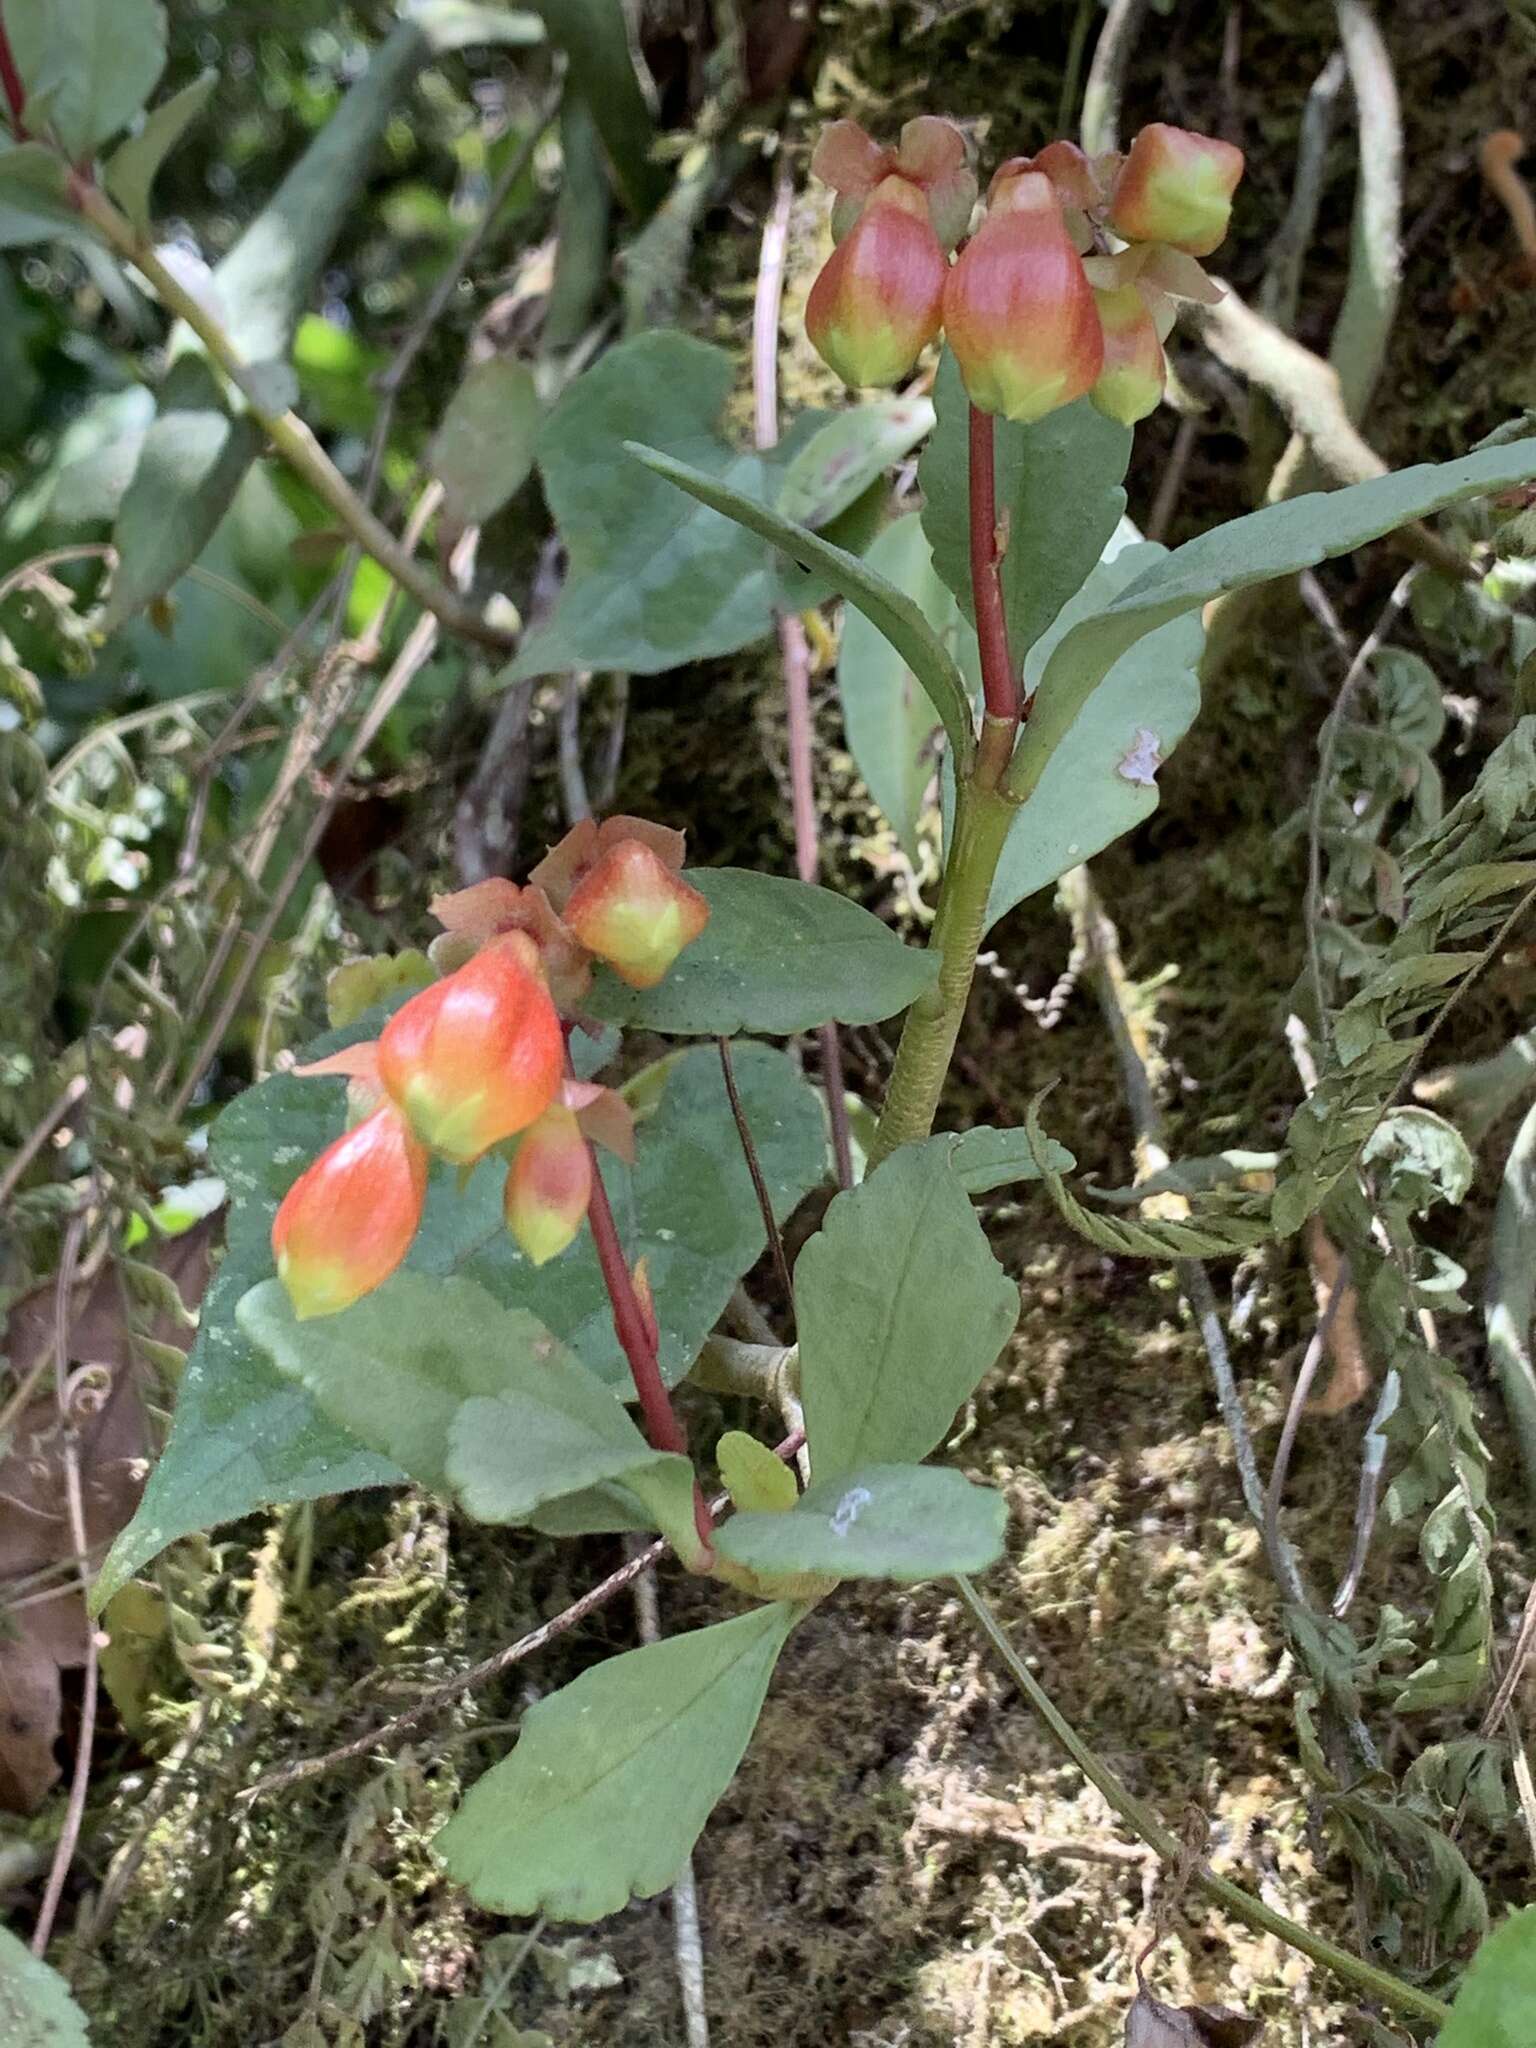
10, 78
1000, 686
662, 1428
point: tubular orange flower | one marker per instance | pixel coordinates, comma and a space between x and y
1131, 381
875, 305
478, 1056
1018, 307
549, 1185
1176, 187
634, 912
348, 1220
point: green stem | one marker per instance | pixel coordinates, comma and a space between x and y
1365, 1977
982, 821
287, 432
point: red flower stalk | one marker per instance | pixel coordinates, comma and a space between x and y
477, 1057
348, 1220
1018, 307
1176, 187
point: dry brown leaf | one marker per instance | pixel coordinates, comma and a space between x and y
1350, 1379
1151, 2024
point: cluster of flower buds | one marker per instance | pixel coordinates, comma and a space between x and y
1065, 289
477, 1062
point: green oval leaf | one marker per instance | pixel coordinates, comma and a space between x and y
901, 1522
614, 1776
88, 66
483, 450
1494, 2006
136, 163
777, 956
901, 1308
845, 456
36, 2010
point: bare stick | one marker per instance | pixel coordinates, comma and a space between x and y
79, 1784
754, 1167
1106, 74
1313, 1358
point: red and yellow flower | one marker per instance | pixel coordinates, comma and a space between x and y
348, 1220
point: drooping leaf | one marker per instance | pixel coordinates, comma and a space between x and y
756, 1480
777, 956
1493, 2008
843, 458
470, 1399
887, 715
902, 1522
135, 164
614, 1776
583, 224
1277, 541
189, 468
88, 66
1101, 781
653, 582
890, 610
36, 2009
901, 1308
483, 449
1060, 496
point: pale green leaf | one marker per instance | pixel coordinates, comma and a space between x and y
483, 450
1280, 540
89, 65
136, 163
843, 458
36, 2009
984, 1158
33, 205
887, 715
465, 24
1101, 781
614, 1776
777, 956
653, 581
755, 1479
1497, 1999
189, 469
890, 610
594, 34
1059, 497
901, 1308
902, 1522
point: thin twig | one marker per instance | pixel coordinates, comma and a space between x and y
1281, 289
1106, 74
38, 1137
573, 780
755, 1169
79, 1784
1316, 1347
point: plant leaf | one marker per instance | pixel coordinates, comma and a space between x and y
777, 956
984, 1158
755, 1479
594, 35
35, 2001
1101, 780
135, 163
1277, 541
88, 66
652, 582
1059, 492
189, 469
483, 449
464, 25
33, 205
1498, 1994
887, 715
843, 458
901, 1308
902, 1522
614, 1776
890, 610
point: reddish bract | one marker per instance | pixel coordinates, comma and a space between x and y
634, 912
875, 305
348, 1220
1176, 187
549, 1185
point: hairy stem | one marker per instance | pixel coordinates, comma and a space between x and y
1390, 1991
287, 432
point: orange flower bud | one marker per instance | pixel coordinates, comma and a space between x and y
549, 1185
932, 156
634, 912
348, 1220
1018, 307
875, 305
479, 1055
1176, 187
1131, 382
